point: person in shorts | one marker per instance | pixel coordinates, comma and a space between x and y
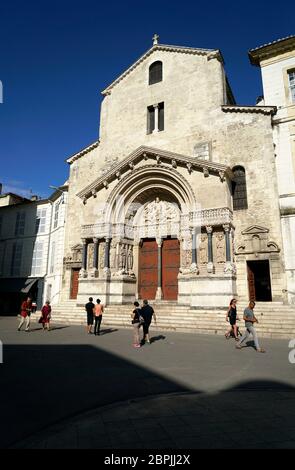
89, 309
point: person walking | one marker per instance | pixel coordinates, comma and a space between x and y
89, 309
46, 316
147, 313
232, 318
98, 311
250, 319
26, 310
137, 321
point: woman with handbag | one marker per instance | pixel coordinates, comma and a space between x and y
45, 316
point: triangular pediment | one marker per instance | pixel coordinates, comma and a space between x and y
211, 53
162, 158
255, 229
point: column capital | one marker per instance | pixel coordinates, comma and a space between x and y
159, 241
209, 229
156, 105
226, 227
95, 240
84, 241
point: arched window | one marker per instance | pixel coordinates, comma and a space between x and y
155, 72
239, 188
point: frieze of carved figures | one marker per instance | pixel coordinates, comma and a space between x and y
203, 250
220, 248
160, 212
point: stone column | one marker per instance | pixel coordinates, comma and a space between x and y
194, 266
95, 254
226, 229
229, 267
83, 272
194, 246
210, 266
107, 254
159, 293
156, 108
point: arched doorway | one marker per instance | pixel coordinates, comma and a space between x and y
150, 212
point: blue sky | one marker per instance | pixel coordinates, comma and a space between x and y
56, 57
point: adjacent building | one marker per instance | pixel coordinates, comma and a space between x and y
31, 248
277, 63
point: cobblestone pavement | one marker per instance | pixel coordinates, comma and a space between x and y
66, 389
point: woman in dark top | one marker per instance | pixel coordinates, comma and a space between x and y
231, 316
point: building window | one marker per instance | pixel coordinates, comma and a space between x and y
291, 75
16, 259
239, 189
52, 257
150, 119
37, 259
40, 221
155, 118
56, 214
20, 223
155, 72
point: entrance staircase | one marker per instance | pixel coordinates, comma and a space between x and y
275, 319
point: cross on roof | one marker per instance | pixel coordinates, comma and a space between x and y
155, 39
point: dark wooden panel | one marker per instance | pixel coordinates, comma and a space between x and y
148, 269
74, 283
251, 283
170, 268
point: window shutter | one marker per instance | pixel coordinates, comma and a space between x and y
155, 72
161, 116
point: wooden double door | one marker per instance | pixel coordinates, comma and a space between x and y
148, 269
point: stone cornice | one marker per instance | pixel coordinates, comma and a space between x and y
267, 110
210, 53
271, 49
82, 152
160, 157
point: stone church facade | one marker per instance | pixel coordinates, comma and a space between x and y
178, 199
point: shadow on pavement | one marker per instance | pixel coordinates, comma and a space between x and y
45, 386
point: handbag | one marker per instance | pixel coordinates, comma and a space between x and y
40, 320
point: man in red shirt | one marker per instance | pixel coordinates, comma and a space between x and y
26, 309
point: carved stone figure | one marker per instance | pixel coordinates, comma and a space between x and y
220, 248
122, 257
101, 254
90, 254
203, 250
130, 259
113, 255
